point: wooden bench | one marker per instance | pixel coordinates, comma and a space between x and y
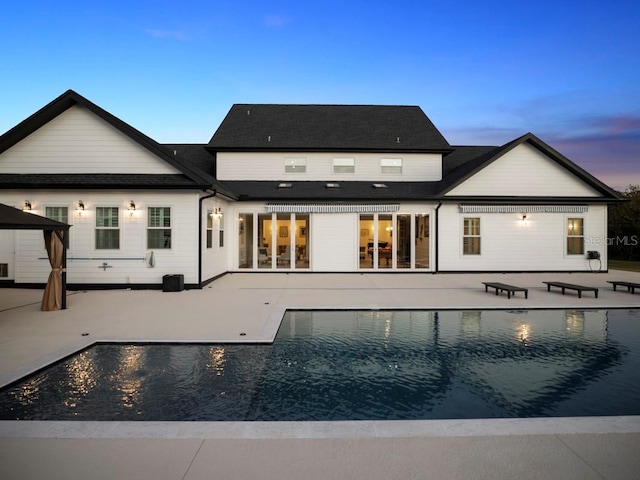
631, 287
571, 286
503, 287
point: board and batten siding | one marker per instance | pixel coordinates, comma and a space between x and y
510, 244
127, 265
269, 166
334, 244
77, 141
524, 171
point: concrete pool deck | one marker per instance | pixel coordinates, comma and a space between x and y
253, 305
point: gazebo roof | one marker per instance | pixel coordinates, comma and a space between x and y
14, 219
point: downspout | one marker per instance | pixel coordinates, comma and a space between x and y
437, 236
215, 192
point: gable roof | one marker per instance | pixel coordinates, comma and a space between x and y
379, 128
14, 219
194, 176
465, 162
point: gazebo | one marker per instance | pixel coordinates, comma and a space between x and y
55, 235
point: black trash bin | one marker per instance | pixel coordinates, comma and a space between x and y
173, 283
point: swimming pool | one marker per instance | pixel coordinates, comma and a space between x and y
357, 365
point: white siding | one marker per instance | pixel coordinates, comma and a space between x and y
509, 244
7, 246
334, 244
128, 265
215, 260
77, 141
524, 171
270, 166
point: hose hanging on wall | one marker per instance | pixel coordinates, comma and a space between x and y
151, 260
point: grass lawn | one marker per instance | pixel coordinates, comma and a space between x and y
624, 265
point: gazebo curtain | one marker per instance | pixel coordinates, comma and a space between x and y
53, 298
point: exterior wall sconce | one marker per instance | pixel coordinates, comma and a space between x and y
525, 219
132, 208
27, 206
217, 213
80, 208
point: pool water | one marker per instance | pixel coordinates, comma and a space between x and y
357, 365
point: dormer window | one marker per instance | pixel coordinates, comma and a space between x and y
295, 165
344, 165
379, 185
391, 165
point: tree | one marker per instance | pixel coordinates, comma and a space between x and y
624, 226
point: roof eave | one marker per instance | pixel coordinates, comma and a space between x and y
324, 150
534, 141
71, 98
526, 200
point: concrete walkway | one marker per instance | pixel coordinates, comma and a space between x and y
248, 308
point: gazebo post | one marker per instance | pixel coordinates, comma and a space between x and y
65, 233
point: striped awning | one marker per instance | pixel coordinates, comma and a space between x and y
523, 208
332, 207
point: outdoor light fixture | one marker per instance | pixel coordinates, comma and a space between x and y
217, 213
80, 208
27, 206
132, 208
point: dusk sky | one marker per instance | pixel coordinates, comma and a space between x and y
484, 72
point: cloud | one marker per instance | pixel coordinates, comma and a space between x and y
277, 21
607, 146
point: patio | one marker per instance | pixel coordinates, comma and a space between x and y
253, 304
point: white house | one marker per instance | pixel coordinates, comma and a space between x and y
309, 188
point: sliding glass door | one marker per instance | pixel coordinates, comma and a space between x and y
279, 241
393, 241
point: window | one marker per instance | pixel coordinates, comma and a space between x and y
59, 214
295, 165
159, 227
209, 228
221, 230
471, 237
575, 236
344, 165
391, 165
107, 229
4, 270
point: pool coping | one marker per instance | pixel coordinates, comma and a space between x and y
320, 430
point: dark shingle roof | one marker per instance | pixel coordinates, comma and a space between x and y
195, 154
464, 162
328, 128
198, 178
14, 219
318, 191
97, 181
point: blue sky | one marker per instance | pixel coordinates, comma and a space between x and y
484, 72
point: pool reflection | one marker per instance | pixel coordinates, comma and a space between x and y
337, 365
